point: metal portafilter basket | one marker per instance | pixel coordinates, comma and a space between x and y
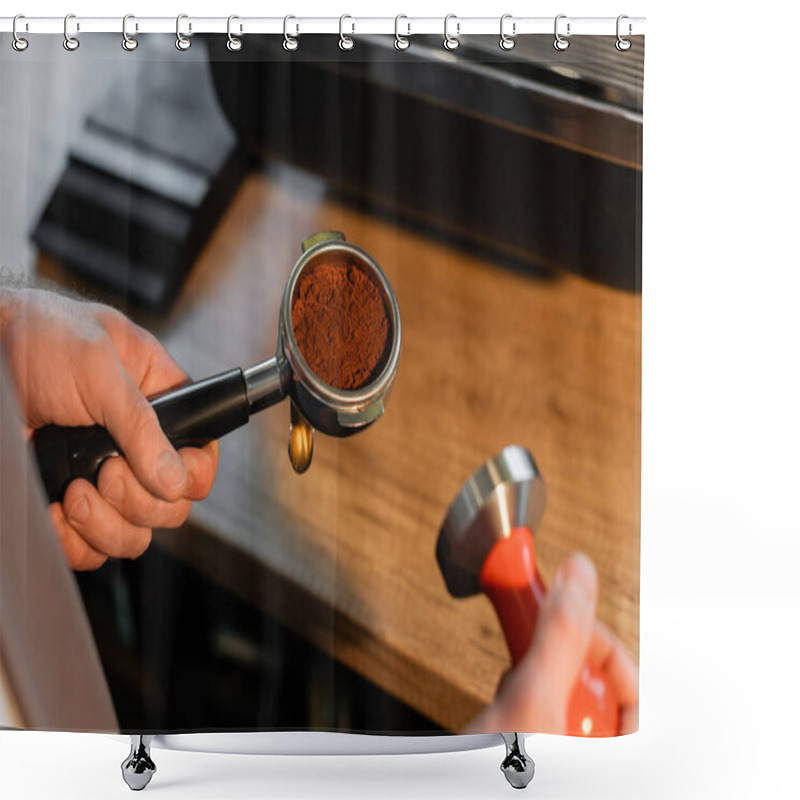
200, 412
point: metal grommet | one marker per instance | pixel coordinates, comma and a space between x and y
506, 41
181, 42
289, 42
345, 42
623, 44
18, 43
401, 42
233, 44
451, 42
129, 43
70, 42
560, 42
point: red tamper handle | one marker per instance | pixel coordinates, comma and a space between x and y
510, 578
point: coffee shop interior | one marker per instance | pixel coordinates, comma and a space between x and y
500, 198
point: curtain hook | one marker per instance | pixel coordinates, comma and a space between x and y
181, 42
451, 42
129, 43
234, 44
560, 42
506, 41
18, 43
289, 42
623, 44
345, 42
401, 42
70, 42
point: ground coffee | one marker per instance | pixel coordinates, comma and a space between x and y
341, 324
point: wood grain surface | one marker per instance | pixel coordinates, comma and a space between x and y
345, 553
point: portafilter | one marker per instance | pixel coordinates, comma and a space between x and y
197, 413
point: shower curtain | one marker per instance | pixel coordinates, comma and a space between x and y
498, 189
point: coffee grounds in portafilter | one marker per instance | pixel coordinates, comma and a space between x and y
341, 324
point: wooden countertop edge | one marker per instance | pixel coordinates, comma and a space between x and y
426, 691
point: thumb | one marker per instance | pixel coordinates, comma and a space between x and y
563, 633
132, 422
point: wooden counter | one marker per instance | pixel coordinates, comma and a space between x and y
345, 553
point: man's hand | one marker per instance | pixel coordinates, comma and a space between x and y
533, 697
79, 363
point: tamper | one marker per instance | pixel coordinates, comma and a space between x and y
486, 545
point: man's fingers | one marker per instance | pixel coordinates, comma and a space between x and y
101, 525
119, 487
564, 630
535, 694
201, 464
80, 554
146, 361
116, 402
607, 652
628, 719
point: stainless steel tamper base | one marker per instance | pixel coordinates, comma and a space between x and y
503, 493
138, 768
517, 766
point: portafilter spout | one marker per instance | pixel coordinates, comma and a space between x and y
200, 412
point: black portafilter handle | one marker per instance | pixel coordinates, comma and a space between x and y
191, 416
